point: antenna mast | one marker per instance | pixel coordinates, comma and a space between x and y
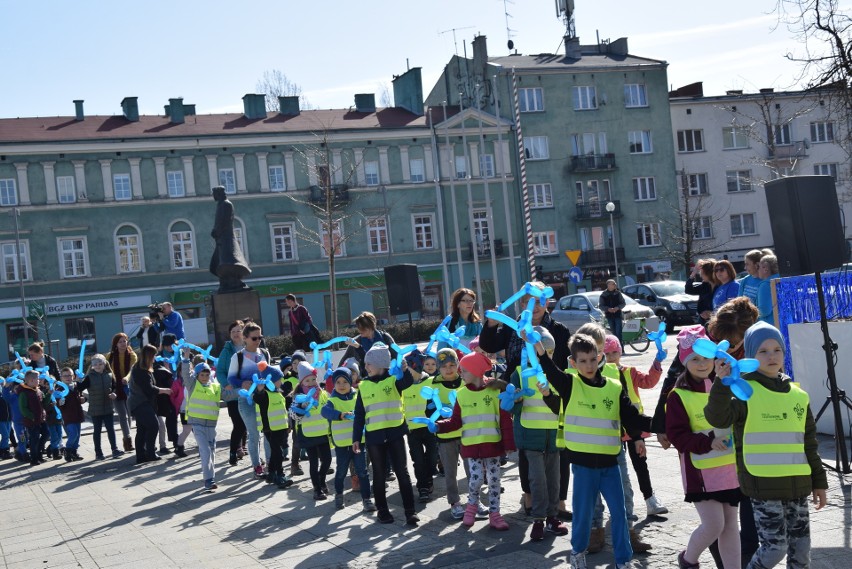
509, 43
565, 12
453, 30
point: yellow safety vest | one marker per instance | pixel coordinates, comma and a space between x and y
276, 412
445, 400
627, 383
608, 370
204, 401
382, 404
592, 418
694, 403
480, 414
316, 425
414, 404
341, 429
774, 432
535, 414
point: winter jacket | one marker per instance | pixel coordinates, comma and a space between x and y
224, 361
72, 409
99, 386
611, 299
49, 362
542, 440
143, 390
30, 404
482, 450
121, 366
703, 290
10, 396
492, 339
381, 436
724, 410
163, 378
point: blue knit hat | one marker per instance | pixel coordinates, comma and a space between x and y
343, 372
758, 333
201, 367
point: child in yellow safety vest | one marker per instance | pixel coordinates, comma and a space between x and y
778, 463
312, 428
422, 444
271, 406
202, 412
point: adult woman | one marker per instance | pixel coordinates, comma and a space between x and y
100, 383
229, 392
726, 287
611, 303
751, 282
767, 271
463, 315
702, 282
368, 334
122, 359
39, 359
142, 402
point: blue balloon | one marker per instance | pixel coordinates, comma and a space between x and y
739, 387
658, 338
79, 371
528, 289
305, 402
396, 365
453, 340
432, 339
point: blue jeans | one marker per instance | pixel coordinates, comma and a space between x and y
55, 436
597, 521
5, 429
615, 326
72, 432
34, 434
344, 457
587, 483
252, 434
98, 422
21, 433
205, 436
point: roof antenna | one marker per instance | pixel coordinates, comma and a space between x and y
565, 12
510, 44
455, 42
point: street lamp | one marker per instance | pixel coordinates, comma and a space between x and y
610, 208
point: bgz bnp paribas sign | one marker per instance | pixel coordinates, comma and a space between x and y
97, 304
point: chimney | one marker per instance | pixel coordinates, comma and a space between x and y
254, 106
174, 110
78, 109
734, 92
365, 103
189, 110
767, 90
618, 47
408, 90
480, 58
572, 47
130, 108
289, 105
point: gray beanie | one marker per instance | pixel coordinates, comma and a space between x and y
758, 333
378, 356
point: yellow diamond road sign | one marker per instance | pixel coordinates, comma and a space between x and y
573, 256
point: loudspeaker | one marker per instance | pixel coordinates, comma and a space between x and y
806, 225
403, 286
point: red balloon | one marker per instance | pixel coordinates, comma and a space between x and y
262, 365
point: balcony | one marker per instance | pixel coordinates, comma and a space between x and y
484, 249
595, 257
339, 194
597, 209
797, 149
593, 163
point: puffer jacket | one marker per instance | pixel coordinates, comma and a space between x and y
541, 440
99, 386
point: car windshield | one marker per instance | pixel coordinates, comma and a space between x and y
666, 289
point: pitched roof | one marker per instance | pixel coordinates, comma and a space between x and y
562, 62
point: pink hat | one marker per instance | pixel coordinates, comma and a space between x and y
611, 344
474, 343
476, 363
685, 340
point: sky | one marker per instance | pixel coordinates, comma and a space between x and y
212, 52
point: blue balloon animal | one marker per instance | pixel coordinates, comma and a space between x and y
396, 365
57, 395
433, 395
173, 360
317, 347
658, 338
528, 289
206, 352
79, 372
433, 338
739, 387
452, 339
304, 402
255, 381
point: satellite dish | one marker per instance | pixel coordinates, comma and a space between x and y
511, 44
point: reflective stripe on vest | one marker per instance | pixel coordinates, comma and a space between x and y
204, 401
316, 425
382, 404
414, 405
592, 420
444, 392
774, 432
694, 403
276, 412
535, 414
480, 415
341, 429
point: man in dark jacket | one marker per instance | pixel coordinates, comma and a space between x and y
300, 323
611, 303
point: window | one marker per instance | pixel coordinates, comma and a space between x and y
702, 227
283, 242
418, 174
585, 98
536, 147
15, 337
174, 180
227, 179
690, 141
738, 180
182, 246
822, 132
65, 190
128, 249
595, 238
371, 173
276, 179
8, 193
541, 196
15, 266
782, 135
423, 233
77, 330
644, 189
73, 257
648, 234
634, 95
826, 170
734, 137
640, 141
698, 185
121, 186
588, 144
338, 242
481, 232
461, 167
486, 165
377, 235
531, 99
544, 243
742, 224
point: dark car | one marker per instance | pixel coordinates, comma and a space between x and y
667, 300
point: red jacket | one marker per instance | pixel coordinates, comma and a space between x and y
483, 450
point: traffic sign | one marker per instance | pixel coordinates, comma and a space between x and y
575, 275
573, 256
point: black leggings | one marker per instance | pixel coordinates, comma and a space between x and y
238, 432
640, 467
147, 429
319, 458
392, 451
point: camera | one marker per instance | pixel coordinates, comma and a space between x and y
155, 311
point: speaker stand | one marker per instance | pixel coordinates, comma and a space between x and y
836, 395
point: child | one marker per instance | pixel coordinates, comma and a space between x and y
595, 408
272, 419
100, 384
289, 381
422, 444
486, 434
379, 410
296, 452
632, 380
202, 411
180, 399
352, 365
72, 415
30, 403
706, 458
778, 487
313, 430
5, 424
52, 420
11, 392
340, 412
430, 365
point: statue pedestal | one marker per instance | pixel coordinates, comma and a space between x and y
231, 306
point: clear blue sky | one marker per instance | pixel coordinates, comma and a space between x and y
213, 52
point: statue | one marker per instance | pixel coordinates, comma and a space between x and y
227, 261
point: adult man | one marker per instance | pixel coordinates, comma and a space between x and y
300, 323
148, 335
171, 322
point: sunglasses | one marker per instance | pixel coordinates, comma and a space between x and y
719, 270
255, 338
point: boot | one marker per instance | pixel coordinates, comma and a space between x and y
232, 460
637, 544
179, 452
596, 540
128, 444
55, 454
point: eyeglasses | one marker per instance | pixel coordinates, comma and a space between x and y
468, 301
720, 270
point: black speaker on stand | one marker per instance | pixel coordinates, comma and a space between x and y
808, 236
403, 286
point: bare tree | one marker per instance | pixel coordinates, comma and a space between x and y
385, 95
276, 84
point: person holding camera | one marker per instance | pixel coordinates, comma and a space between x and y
148, 335
171, 322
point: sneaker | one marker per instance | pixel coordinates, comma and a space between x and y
385, 517
554, 526
457, 511
482, 511
368, 505
164, 450
320, 495
180, 452
412, 520
209, 485
424, 495
537, 532
339, 502
283, 481
655, 507
100, 456
504, 460
76, 455
117, 453
496, 521
577, 560
297, 471
258, 472
469, 514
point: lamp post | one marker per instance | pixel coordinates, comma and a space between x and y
610, 208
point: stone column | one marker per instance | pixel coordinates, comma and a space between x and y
106, 175
23, 183
264, 171
359, 166
135, 178
80, 180
289, 170
212, 170
50, 181
337, 166
429, 168
188, 175
160, 168
240, 167
406, 166
473, 154
384, 168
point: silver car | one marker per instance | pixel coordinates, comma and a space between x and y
575, 310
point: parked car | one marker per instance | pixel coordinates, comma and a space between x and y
575, 310
667, 300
